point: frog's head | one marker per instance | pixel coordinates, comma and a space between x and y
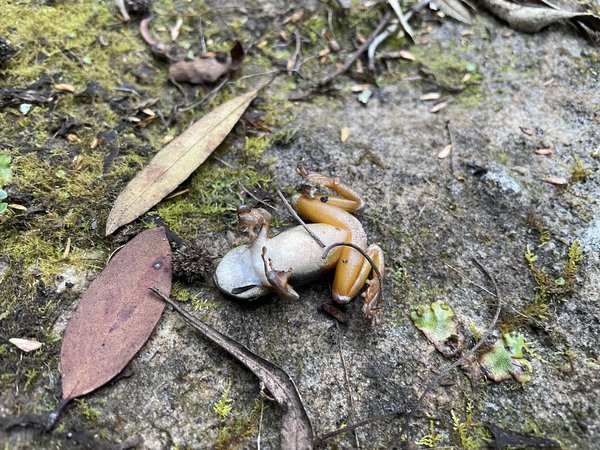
239, 275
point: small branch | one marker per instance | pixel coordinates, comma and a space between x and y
356, 425
299, 219
207, 96
378, 40
329, 78
292, 66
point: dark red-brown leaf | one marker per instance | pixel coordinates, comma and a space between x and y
116, 314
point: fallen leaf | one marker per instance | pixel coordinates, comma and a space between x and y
296, 429
558, 181
365, 95
445, 152
528, 131
361, 87
543, 151
295, 17
176, 162
438, 107
455, 9
26, 345
430, 96
64, 87
531, 19
206, 69
344, 134
407, 55
504, 438
116, 314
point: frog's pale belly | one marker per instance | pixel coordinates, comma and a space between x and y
295, 249
241, 272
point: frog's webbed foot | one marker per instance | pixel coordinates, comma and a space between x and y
278, 279
253, 218
348, 199
372, 306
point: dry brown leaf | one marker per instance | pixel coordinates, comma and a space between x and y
557, 181
206, 69
25, 345
528, 131
65, 87
296, 429
116, 314
361, 87
455, 9
438, 107
344, 134
176, 162
430, 96
532, 19
17, 207
407, 55
295, 17
445, 152
544, 151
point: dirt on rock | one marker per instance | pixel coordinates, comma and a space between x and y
486, 201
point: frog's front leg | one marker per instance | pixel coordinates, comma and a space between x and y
352, 269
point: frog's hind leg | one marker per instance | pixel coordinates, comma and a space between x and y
348, 199
372, 295
334, 211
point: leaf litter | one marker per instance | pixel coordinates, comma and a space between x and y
115, 316
296, 429
172, 165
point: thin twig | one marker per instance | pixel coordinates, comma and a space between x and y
262, 202
378, 40
347, 381
260, 420
299, 219
329, 78
294, 60
354, 426
207, 96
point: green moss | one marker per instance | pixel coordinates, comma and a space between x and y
63, 39
234, 430
90, 414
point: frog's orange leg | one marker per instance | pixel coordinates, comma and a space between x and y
333, 211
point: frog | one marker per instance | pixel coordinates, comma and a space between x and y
296, 256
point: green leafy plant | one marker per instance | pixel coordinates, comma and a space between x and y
222, 407
430, 440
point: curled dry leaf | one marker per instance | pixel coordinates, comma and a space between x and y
532, 19
344, 134
116, 314
176, 162
557, 181
455, 9
207, 69
404, 54
544, 151
26, 345
445, 152
296, 428
430, 96
438, 107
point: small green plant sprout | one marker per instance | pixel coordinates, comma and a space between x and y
430, 440
437, 323
579, 172
86, 411
505, 360
548, 289
222, 407
5, 177
464, 430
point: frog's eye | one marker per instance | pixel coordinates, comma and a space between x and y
242, 289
